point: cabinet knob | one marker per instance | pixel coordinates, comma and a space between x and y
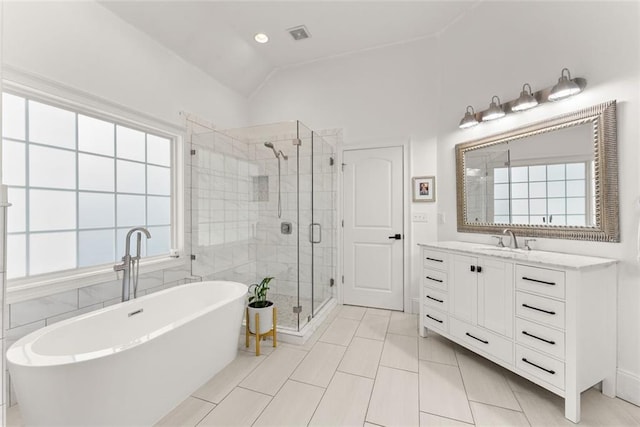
473, 268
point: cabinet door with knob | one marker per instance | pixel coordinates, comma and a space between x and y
482, 293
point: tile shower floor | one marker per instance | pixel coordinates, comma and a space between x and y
367, 367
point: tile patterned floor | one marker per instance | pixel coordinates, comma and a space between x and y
367, 367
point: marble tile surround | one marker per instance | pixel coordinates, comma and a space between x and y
244, 392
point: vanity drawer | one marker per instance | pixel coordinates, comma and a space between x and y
540, 337
435, 319
435, 259
435, 279
497, 346
436, 299
540, 366
540, 280
540, 309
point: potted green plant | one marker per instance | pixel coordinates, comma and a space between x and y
258, 303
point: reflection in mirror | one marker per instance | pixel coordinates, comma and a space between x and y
554, 179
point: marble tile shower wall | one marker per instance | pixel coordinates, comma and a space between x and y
223, 221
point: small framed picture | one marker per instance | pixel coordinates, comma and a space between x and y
424, 189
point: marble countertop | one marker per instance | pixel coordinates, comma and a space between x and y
549, 259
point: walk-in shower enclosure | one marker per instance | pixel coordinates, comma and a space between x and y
235, 230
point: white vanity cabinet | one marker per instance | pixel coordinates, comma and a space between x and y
548, 317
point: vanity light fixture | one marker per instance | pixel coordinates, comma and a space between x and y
565, 87
526, 99
495, 111
261, 38
469, 118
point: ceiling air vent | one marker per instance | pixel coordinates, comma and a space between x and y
299, 33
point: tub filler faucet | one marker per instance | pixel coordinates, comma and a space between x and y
130, 265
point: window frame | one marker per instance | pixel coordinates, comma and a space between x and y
81, 103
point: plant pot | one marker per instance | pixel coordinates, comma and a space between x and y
266, 318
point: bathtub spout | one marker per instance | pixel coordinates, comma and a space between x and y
129, 266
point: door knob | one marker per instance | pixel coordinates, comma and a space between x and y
396, 237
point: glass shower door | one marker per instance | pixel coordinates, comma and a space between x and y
323, 221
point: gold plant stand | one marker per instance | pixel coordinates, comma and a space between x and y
259, 336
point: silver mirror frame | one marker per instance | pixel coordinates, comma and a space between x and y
607, 228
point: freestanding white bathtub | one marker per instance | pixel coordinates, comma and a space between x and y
128, 364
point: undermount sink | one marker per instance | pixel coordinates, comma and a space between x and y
504, 250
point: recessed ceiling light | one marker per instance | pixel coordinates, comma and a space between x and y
261, 38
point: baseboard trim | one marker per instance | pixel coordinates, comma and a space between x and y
628, 387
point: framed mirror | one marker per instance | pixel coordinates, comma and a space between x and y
557, 178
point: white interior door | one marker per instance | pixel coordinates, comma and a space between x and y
373, 217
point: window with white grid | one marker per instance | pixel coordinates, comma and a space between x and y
552, 194
77, 183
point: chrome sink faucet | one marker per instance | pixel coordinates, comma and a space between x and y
513, 242
130, 265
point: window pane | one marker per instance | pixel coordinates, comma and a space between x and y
52, 252
96, 247
17, 212
578, 220
130, 177
520, 191
159, 210
555, 172
556, 206
130, 143
538, 206
96, 210
501, 191
51, 168
501, 207
538, 189
51, 125
558, 220
576, 205
520, 219
52, 210
16, 255
95, 136
576, 171
556, 189
537, 173
158, 180
158, 150
160, 242
575, 188
13, 163
519, 174
130, 210
95, 173
501, 175
537, 219
520, 207
501, 219
13, 116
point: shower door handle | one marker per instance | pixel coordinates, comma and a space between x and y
312, 234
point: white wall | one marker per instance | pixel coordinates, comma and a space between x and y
421, 89
378, 96
85, 46
598, 41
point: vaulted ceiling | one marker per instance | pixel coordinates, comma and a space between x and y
218, 36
